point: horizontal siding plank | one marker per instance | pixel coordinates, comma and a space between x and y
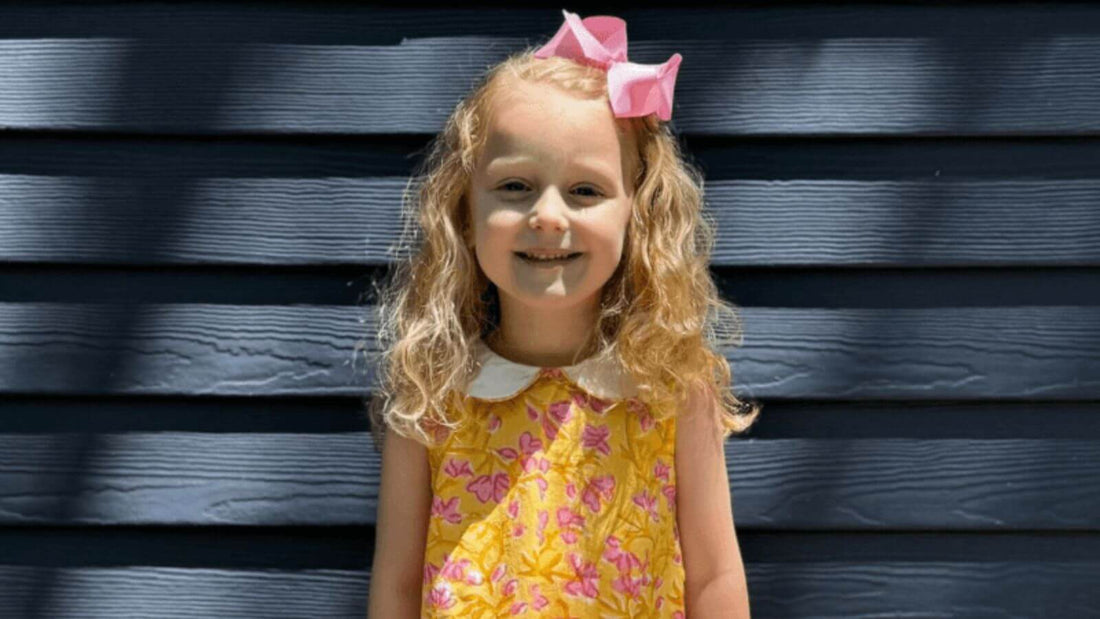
340, 23
163, 592
179, 161
983, 84
1037, 588
852, 71
356, 221
852, 354
233, 547
782, 419
187, 478
804, 287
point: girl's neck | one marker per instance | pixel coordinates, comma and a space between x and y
561, 352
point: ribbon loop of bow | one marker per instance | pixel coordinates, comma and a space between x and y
634, 89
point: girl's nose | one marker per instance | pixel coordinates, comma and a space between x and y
549, 212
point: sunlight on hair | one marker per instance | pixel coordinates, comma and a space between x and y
661, 312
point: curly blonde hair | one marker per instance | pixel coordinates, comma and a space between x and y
660, 312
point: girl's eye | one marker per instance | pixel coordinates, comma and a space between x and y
511, 184
595, 192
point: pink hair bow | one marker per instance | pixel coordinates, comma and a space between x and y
634, 89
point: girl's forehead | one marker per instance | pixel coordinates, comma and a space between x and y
542, 120
522, 111
561, 126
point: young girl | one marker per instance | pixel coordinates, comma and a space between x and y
554, 399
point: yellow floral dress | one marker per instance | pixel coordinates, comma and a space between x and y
557, 500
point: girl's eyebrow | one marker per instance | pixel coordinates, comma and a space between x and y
588, 164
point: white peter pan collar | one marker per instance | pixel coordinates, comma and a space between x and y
499, 378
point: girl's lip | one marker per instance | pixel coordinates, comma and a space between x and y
548, 264
574, 253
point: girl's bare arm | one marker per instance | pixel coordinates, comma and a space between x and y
404, 504
716, 583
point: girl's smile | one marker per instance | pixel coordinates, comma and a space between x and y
553, 177
544, 264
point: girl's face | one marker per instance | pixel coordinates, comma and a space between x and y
553, 176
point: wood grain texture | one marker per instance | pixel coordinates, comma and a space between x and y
184, 478
139, 592
853, 354
387, 23
905, 199
983, 84
939, 588
911, 223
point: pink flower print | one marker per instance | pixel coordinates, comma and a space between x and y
613, 552
532, 412
475, 577
498, 572
544, 517
591, 402
595, 437
557, 414
454, 570
518, 608
513, 508
552, 373
571, 490
587, 578
645, 420
600, 486
440, 432
490, 487
660, 470
531, 463
568, 522
458, 468
636, 405
494, 423
511, 586
670, 494
568, 517
529, 445
660, 598
624, 560
446, 510
590, 498
430, 570
649, 503
508, 453
538, 600
629, 585
518, 530
441, 596
543, 485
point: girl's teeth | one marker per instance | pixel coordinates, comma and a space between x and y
549, 259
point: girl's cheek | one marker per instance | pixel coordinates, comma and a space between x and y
502, 227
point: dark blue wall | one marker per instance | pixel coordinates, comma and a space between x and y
194, 198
